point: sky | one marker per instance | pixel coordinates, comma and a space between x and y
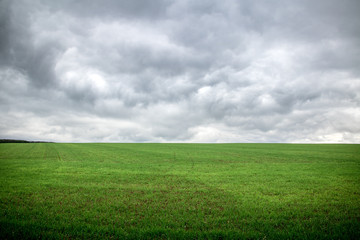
180, 71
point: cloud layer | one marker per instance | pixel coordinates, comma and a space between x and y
180, 71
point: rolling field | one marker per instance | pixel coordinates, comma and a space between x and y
179, 191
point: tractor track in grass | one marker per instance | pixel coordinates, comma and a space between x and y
25, 153
45, 152
59, 155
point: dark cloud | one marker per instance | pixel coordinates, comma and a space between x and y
111, 9
4, 32
167, 70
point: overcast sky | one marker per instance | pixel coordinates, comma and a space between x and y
180, 70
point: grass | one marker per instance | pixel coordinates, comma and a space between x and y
179, 191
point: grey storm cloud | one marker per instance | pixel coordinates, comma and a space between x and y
180, 71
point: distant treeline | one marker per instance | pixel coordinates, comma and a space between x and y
19, 141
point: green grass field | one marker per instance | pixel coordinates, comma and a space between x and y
179, 191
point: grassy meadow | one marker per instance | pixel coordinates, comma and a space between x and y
179, 191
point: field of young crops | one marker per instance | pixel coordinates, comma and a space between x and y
179, 191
